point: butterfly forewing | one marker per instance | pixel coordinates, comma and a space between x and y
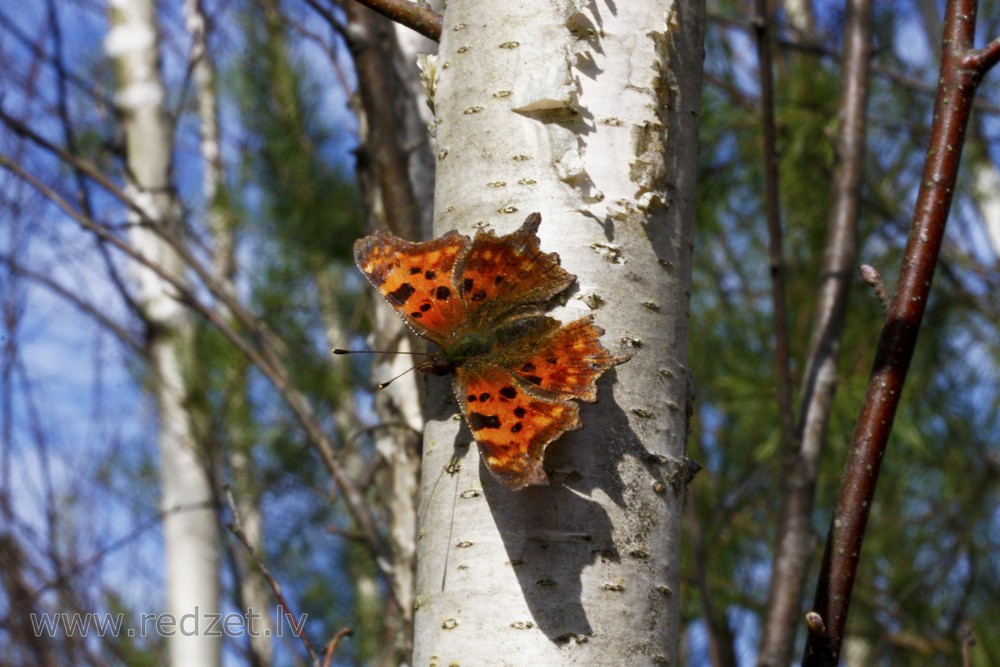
416, 279
506, 273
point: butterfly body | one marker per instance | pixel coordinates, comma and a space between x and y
482, 302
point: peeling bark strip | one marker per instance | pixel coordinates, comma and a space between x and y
588, 115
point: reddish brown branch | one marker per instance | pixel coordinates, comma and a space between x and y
962, 68
420, 18
331, 646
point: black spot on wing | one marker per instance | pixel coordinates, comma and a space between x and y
401, 294
478, 421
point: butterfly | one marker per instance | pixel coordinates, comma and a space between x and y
482, 302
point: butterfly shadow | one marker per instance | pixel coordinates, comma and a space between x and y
552, 533
549, 552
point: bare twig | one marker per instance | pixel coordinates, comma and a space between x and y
267, 357
331, 646
968, 641
795, 535
236, 528
873, 279
962, 69
373, 51
828, 53
781, 355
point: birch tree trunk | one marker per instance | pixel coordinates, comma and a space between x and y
190, 528
254, 592
587, 113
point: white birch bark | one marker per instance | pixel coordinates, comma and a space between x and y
254, 591
190, 529
800, 18
986, 178
587, 113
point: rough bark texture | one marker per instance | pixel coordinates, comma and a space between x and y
588, 114
190, 529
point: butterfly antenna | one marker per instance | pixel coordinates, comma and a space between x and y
338, 350
385, 384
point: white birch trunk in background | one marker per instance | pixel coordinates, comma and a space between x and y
587, 113
986, 178
190, 528
254, 592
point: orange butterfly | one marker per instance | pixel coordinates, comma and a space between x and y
482, 302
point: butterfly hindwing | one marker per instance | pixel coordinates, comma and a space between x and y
512, 422
567, 359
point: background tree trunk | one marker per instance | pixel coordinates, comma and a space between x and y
796, 538
590, 118
191, 534
396, 178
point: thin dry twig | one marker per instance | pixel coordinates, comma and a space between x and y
962, 69
267, 356
873, 279
795, 534
782, 365
331, 646
236, 528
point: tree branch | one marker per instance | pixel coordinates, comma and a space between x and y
961, 72
795, 538
781, 355
236, 528
266, 358
420, 18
